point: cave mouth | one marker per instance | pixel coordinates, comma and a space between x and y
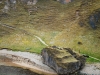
10, 70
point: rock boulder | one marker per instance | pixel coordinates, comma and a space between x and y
63, 60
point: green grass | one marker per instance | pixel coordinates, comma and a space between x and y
54, 23
91, 60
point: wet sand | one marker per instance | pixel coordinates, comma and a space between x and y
11, 70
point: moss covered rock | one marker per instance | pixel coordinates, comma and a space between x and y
62, 60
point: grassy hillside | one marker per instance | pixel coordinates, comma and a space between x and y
54, 23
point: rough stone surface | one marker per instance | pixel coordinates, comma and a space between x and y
94, 19
62, 60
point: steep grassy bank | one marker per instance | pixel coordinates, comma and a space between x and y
54, 23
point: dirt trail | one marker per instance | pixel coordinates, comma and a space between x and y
24, 31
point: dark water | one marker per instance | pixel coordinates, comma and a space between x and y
8, 70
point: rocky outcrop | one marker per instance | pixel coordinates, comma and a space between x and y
62, 60
94, 19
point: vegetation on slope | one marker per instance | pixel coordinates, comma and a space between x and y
54, 23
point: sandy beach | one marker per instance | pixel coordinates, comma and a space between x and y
37, 65
35, 58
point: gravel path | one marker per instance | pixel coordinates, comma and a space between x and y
89, 69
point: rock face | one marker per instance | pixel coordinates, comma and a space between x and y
63, 60
94, 19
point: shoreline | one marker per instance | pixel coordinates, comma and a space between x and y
34, 63
27, 60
